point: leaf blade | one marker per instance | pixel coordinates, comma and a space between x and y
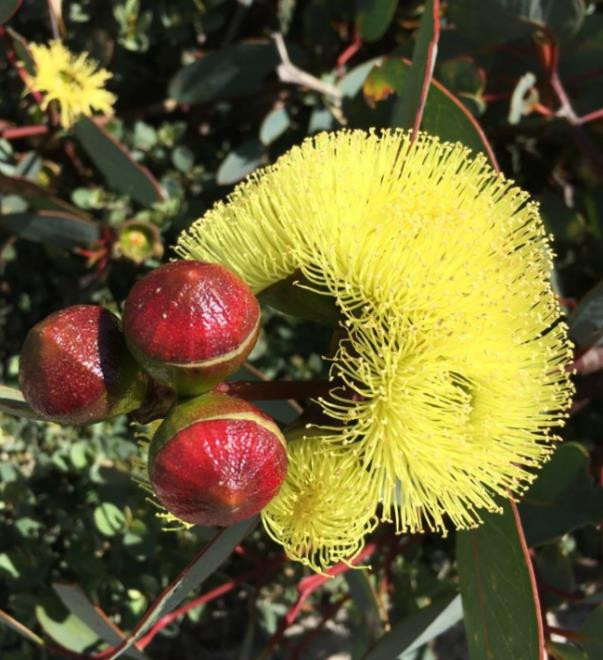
504, 619
116, 164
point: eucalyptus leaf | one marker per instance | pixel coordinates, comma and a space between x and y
232, 71
7, 9
56, 228
504, 20
116, 164
501, 617
203, 565
241, 162
416, 630
563, 498
373, 17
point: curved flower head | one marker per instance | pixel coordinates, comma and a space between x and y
321, 514
452, 375
76, 82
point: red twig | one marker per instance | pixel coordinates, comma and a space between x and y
591, 116
532, 576
253, 390
349, 52
23, 132
330, 613
260, 571
306, 587
432, 50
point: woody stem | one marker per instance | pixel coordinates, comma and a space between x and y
252, 390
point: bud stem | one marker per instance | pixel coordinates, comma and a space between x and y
252, 390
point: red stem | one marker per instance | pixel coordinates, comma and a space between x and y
252, 390
307, 587
23, 132
530, 566
350, 51
262, 571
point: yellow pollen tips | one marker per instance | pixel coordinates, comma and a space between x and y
76, 82
323, 510
454, 359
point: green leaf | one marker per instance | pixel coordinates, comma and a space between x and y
241, 162
365, 599
502, 20
586, 321
444, 115
7, 565
13, 403
77, 603
418, 629
409, 107
501, 619
233, 71
275, 123
563, 498
213, 555
109, 520
67, 630
116, 164
55, 228
7, 9
373, 17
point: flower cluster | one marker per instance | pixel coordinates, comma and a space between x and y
75, 81
453, 368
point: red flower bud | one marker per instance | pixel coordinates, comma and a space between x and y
191, 324
75, 367
216, 460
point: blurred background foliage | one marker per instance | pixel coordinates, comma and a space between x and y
209, 90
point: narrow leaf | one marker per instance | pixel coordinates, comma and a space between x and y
56, 228
416, 630
203, 565
408, 110
116, 164
502, 612
13, 403
77, 603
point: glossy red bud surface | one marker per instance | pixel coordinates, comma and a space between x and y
191, 324
216, 460
75, 367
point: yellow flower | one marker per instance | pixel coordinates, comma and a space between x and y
317, 515
74, 81
454, 361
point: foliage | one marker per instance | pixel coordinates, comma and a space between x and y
205, 95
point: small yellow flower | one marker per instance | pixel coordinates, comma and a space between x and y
319, 515
74, 81
454, 359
